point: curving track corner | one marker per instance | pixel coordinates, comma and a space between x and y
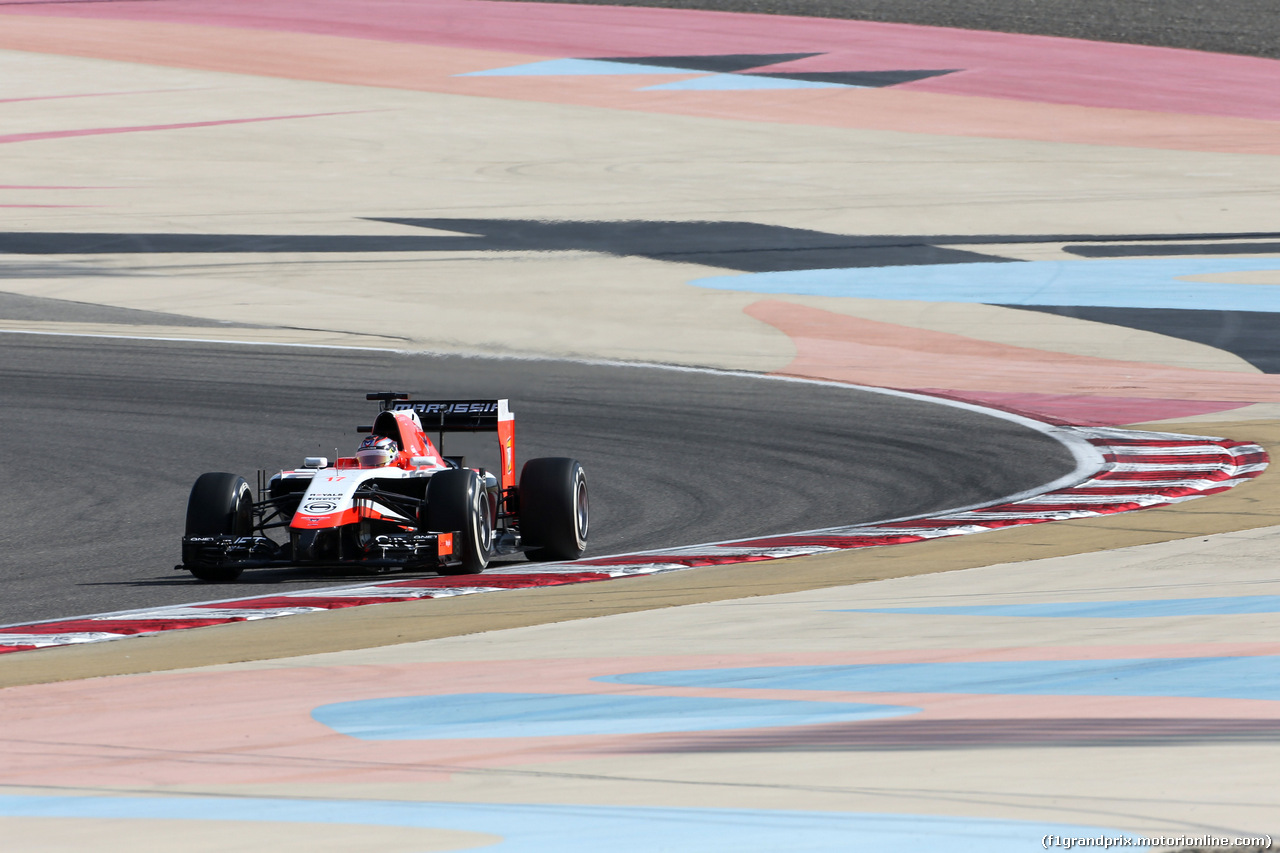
1130, 470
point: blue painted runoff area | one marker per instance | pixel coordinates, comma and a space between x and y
1124, 283
490, 715
588, 829
1230, 605
1212, 677
704, 82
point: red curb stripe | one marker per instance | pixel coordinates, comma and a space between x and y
97, 131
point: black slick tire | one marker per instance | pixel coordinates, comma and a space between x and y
456, 501
554, 511
220, 504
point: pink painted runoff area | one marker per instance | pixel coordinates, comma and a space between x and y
98, 131
1089, 409
1075, 388
997, 65
1003, 86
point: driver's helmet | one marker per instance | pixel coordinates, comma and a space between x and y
376, 451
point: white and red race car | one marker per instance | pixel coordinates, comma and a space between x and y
397, 504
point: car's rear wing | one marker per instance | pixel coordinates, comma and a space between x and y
441, 416
457, 415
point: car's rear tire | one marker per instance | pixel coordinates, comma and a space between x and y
554, 511
456, 501
220, 504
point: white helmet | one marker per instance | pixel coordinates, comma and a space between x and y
376, 451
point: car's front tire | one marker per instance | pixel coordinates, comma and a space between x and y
220, 504
456, 501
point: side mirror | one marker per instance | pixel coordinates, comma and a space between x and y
315, 462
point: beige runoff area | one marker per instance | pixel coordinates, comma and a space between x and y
59, 835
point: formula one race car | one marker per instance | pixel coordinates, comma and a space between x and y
397, 504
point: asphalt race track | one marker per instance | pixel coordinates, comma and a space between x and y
106, 437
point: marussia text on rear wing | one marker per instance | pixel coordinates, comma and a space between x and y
457, 415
